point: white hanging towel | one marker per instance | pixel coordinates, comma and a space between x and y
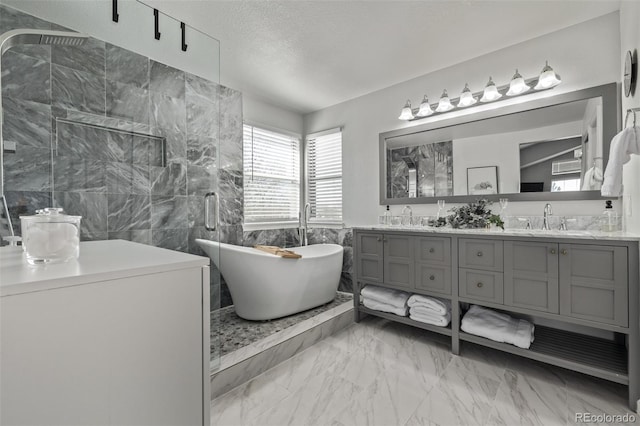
435, 304
389, 296
623, 144
499, 327
384, 307
592, 179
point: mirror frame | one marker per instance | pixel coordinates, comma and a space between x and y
611, 118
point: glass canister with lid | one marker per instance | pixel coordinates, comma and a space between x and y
50, 236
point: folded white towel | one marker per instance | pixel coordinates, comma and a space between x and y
388, 296
496, 326
430, 318
622, 145
435, 304
384, 307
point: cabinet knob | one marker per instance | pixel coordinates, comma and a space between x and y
563, 251
378, 239
432, 250
553, 251
479, 285
432, 277
479, 254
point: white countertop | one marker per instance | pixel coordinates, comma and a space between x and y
98, 261
529, 233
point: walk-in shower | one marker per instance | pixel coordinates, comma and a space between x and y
8, 40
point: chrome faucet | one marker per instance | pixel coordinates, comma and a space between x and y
303, 220
545, 218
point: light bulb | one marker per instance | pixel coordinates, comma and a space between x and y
425, 108
444, 104
490, 92
406, 113
466, 97
548, 78
517, 86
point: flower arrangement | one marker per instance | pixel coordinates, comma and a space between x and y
474, 215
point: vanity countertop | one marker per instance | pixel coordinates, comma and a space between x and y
98, 261
528, 233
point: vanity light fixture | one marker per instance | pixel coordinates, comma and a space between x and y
466, 97
548, 78
445, 103
490, 93
406, 113
425, 108
517, 86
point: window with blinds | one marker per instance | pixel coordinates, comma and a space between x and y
271, 177
324, 176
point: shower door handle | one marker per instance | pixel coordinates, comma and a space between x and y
207, 211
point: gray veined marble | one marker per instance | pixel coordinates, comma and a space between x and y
169, 212
196, 210
26, 123
89, 57
231, 234
142, 236
169, 180
77, 90
77, 139
175, 144
347, 259
127, 101
91, 206
128, 212
230, 129
231, 184
172, 239
201, 180
26, 78
112, 123
168, 112
202, 118
201, 88
125, 66
12, 19
125, 178
167, 80
231, 211
28, 169
25, 203
77, 174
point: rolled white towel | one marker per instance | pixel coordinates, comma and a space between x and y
435, 304
388, 296
498, 327
384, 307
430, 318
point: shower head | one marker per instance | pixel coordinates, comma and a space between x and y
31, 36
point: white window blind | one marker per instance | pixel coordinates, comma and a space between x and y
324, 176
271, 177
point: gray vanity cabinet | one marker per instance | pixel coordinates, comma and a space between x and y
594, 283
433, 264
531, 275
398, 260
370, 256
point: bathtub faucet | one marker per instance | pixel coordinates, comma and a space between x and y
303, 219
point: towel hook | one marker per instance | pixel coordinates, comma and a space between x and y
631, 111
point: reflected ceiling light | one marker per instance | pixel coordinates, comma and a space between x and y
517, 86
466, 97
425, 108
445, 103
548, 78
406, 113
490, 92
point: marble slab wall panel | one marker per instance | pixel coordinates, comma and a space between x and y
11, 19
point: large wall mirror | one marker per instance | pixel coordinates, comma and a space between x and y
546, 149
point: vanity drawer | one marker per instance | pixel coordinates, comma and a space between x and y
481, 254
433, 278
435, 251
481, 285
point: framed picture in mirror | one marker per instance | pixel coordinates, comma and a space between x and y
482, 180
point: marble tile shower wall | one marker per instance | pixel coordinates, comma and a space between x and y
135, 141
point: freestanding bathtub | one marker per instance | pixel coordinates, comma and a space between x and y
265, 286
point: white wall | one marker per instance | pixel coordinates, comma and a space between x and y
585, 55
257, 112
630, 40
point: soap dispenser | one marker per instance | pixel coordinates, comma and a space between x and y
386, 219
609, 219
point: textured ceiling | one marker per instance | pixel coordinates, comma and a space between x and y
308, 55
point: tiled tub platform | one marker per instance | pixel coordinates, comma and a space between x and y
249, 348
